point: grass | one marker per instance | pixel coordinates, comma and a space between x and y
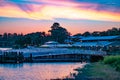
113, 61
98, 71
108, 69
102, 70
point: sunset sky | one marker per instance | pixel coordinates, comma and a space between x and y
77, 16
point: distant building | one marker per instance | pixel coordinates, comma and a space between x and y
75, 38
99, 42
100, 38
50, 44
55, 44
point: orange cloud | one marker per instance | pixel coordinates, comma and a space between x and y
62, 9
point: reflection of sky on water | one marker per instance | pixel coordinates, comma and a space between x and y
11, 66
3, 49
36, 71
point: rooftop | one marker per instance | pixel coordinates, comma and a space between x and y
100, 43
51, 42
100, 37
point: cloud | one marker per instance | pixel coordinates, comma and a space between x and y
107, 5
52, 9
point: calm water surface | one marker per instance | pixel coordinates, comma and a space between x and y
37, 71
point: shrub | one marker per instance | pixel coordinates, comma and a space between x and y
113, 61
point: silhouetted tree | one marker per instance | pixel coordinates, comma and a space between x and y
5, 36
110, 32
86, 34
113, 31
78, 34
58, 33
36, 38
95, 33
0, 35
103, 33
19, 42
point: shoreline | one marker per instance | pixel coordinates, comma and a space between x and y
97, 71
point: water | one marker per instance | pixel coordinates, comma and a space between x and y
37, 71
2, 49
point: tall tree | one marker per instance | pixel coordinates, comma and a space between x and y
58, 33
5, 36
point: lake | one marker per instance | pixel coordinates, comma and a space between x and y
38, 71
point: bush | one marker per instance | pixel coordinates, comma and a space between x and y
117, 65
113, 61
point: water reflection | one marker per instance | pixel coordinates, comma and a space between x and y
37, 71
11, 65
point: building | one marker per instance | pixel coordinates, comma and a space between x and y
99, 42
53, 44
50, 44
100, 38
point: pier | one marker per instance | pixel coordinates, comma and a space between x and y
11, 57
51, 55
68, 58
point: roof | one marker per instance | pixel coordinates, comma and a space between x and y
51, 42
58, 45
100, 38
85, 44
53, 51
116, 43
76, 37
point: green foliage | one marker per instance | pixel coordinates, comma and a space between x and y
113, 61
98, 71
117, 65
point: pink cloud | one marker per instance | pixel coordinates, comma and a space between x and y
51, 9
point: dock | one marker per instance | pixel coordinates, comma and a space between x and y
51, 55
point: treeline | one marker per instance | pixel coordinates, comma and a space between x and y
20, 40
56, 33
110, 32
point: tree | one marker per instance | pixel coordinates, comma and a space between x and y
0, 35
103, 33
78, 34
86, 34
19, 42
58, 33
96, 33
5, 36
